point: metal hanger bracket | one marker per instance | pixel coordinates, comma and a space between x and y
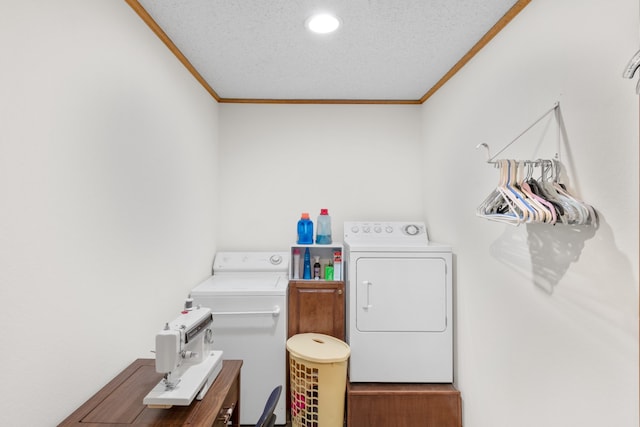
490, 158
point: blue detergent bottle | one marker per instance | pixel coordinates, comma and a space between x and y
305, 230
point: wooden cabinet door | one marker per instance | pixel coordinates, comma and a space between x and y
317, 307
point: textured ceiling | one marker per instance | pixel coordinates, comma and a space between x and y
385, 50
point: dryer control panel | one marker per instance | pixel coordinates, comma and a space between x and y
390, 232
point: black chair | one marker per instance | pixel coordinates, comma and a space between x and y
268, 418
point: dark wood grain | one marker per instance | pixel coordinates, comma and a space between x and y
403, 405
119, 403
317, 306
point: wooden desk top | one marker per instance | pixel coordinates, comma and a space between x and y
120, 401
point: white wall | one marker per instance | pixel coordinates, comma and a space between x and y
113, 177
360, 162
107, 191
547, 317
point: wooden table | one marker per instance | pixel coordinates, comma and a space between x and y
120, 401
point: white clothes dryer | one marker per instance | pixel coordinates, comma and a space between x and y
399, 304
247, 294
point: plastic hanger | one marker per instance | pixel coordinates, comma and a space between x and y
550, 206
545, 214
499, 206
586, 213
528, 213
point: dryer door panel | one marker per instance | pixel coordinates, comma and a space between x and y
401, 294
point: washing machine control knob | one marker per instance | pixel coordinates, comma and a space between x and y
366, 229
377, 229
411, 229
355, 229
389, 229
275, 259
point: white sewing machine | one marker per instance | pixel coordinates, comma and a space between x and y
185, 356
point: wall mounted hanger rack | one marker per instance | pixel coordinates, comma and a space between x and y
520, 198
555, 109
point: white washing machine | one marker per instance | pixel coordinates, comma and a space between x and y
399, 304
248, 296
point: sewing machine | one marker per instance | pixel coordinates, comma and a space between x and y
185, 356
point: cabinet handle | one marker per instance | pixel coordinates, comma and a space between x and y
339, 291
226, 414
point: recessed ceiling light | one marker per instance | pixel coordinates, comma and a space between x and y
322, 23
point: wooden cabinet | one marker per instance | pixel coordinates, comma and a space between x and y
317, 306
403, 405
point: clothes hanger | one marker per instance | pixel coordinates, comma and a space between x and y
522, 213
572, 213
544, 214
581, 213
551, 209
549, 194
537, 189
528, 213
588, 214
499, 206
519, 198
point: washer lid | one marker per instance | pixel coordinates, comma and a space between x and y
242, 284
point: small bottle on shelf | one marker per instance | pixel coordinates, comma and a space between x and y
323, 235
337, 265
316, 268
328, 271
296, 263
307, 265
305, 229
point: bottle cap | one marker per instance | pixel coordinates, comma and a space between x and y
296, 251
324, 211
305, 215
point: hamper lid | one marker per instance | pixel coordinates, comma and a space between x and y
318, 348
